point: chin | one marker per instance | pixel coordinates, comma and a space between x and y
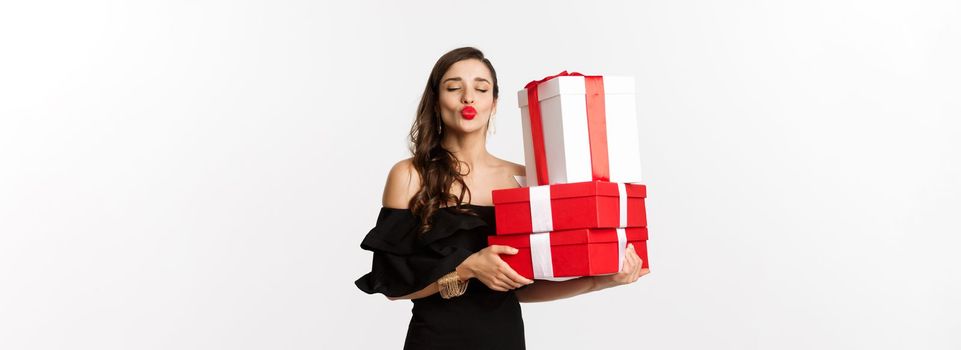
472, 126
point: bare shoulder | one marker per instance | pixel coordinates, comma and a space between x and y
513, 168
402, 183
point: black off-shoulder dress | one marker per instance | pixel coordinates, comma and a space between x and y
405, 262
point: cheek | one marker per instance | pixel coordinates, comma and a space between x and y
448, 107
486, 105
449, 101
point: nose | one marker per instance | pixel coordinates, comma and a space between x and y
467, 98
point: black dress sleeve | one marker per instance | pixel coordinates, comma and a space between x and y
406, 261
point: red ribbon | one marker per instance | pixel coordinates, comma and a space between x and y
561, 74
596, 127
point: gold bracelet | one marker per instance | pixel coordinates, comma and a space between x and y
451, 286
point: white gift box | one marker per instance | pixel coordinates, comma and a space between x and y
579, 145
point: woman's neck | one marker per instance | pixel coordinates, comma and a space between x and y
468, 148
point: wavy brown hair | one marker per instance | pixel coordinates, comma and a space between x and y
437, 167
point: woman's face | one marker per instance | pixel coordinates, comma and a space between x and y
467, 84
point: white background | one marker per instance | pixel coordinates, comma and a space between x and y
199, 174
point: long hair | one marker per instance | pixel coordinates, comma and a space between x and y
437, 167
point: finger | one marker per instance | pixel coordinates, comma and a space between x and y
626, 265
513, 284
514, 276
636, 274
503, 282
503, 249
632, 268
502, 277
627, 271
507, 281
630, 253
629, 263
636, 259
640, 269
497, 285
507, 284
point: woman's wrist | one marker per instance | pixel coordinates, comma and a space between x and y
600, 283
464, 271
595, 284
451, 285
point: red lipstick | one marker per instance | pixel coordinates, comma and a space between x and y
468, 112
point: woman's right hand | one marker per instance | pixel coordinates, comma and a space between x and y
488, 267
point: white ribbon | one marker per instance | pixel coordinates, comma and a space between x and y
621, 247
541, 255
541, 217
622, 198
542, 222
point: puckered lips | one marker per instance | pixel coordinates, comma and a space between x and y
468, 112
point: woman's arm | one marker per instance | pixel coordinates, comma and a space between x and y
551, 290
487, 267
423, 293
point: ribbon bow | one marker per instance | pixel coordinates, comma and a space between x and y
534, 83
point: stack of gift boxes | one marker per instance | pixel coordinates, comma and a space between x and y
584, 204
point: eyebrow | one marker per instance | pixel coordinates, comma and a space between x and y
459, 79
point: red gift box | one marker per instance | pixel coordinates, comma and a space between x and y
571, 253
558, 207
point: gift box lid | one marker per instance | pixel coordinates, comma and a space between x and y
569, 190
565, 85
569, 237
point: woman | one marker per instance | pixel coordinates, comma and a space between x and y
430, 238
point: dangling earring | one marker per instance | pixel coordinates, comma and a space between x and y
491, 126
439, 125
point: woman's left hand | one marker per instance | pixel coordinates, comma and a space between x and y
630, 272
